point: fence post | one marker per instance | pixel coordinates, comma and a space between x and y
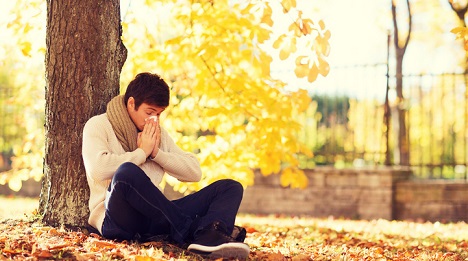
387, 111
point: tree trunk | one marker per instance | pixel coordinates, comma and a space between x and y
403, 138
84, 59
401, 106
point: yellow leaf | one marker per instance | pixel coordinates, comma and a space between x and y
313, 73
279, 42
267, 12
324, 67
27, 28
294, 27
288, 48
288, 4
265, 64
307, 26
326, 35
26, 48
457, 30
301, 69
284, 54
263, 36
302, 99
322, 24
294, 178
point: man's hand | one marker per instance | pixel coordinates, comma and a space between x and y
158, 141
147, 138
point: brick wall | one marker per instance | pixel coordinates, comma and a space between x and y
371, 193
432, 200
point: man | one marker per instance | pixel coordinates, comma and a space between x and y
126, 153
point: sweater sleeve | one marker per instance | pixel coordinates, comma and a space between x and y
178, 163
99, 159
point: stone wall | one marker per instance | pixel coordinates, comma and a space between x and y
30, 188
349, 193
370, 193
434, 200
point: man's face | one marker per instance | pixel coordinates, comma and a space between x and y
144, 111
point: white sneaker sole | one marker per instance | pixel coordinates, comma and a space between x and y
232, 249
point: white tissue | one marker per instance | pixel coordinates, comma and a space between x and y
155, 118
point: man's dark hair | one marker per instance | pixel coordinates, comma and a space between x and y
148, 88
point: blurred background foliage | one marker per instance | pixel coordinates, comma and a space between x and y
225, 106
234, 102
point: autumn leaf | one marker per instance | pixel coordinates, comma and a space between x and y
461, 33
26, 48
267, 13
288, 49
288, 5
275, 257
293, 177
302, 68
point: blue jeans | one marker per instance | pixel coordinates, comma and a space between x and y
135, 207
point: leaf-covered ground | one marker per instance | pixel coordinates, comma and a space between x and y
270, 238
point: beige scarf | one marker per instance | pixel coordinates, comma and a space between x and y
124, 128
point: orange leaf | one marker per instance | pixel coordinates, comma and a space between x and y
43, 254
276, 257
104, 244
95, 235
53, 231
58, 246
250, 230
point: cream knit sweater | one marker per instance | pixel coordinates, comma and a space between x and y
103, 154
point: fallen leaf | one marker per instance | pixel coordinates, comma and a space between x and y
43, 254
276, 257
54, 232
104, 244
301, 257
144, 258
250, 230
58, 246
95, 235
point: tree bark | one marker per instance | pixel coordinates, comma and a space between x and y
403, 136
84, 59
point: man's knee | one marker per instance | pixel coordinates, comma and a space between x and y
233, 185
127, 171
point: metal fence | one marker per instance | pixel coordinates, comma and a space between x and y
345, 124
10, 133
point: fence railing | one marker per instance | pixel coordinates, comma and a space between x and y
346, 126
11, 132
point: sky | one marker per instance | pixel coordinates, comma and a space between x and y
357, 38
359, 30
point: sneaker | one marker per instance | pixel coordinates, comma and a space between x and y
239, 234
214, 242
